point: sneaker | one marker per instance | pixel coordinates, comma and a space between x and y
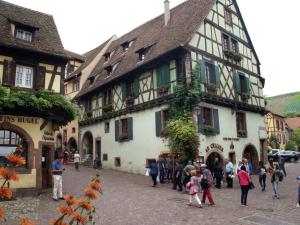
62, 198
55, 199
200, 206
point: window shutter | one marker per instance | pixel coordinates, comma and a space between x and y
237, 84
9, 73
158, 123
200, 123
202, 72
39, 81
247, 85
217, 76
216, 121
130, 128
136, 88
124, 91
165, 74
117, 122
158, 77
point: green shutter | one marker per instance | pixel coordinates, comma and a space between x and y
202, 72
217, 76
237, 84
166, 74
247, 85
130, 128
158, 123
117, 130
136, 88
124, 91
216, 121
158, 77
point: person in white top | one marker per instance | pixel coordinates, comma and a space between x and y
76, 160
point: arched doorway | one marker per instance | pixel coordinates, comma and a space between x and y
72, 145
250, 153
87, 146
214, 158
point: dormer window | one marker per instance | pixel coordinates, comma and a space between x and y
142, 52
91, 79
107, 57
24, 35
142, 56
125, 46
109, 70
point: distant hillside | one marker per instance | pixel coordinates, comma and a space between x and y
286, 104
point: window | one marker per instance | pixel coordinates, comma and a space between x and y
226, 42
24, 35
107, 97
130, 88
209, 74
142, 53
107, 57
117, 162
142, 56
234, 45
124, 129
66, 89
161, 118
24, 76
282, 127
207, 117
242, 85
105, 157
208, 121
109, 70
106, 127
277, 125
75, 85
73, 130
241, 124
125, 46
228, 17
231, 48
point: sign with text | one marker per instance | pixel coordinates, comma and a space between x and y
214, 146
18, 119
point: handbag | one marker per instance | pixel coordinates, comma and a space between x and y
251, 185
147, 172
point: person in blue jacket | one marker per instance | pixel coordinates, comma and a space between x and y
154, 172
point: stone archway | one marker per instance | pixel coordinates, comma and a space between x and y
250, 153
214, 157
87, 146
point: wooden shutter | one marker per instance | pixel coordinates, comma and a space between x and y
9, 73
158, 123
216, 121
165, 74
200, 122
117, 124
202, 72
124, 91
237, 84
39, 81
247, 85
217, 75
158, 77
136, 91
130, 128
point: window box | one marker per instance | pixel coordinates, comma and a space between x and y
129, 100
211, 87
123, 137
107, 108
245, 96
89, 114
242, 133
163, 89
228, 53
237, 57
209, 130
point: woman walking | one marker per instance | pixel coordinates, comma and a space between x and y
262, 175
154, 172
244, 183
276, 177
194, 188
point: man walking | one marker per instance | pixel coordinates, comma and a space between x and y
57, 171
281, 163
178, 176
229, 173
162, 166
76, 160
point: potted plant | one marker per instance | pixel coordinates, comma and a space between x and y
242, 133
123, 137
209, 130
237, 57
163, 89
228, 53
211, 87
107, 108
245, 96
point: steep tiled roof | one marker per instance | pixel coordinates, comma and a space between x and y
185, 19
74, 55
284, 104
45, 38
293, 123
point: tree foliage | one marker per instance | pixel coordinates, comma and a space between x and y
45, 104
291, 145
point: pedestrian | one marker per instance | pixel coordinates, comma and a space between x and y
206, 183
229, 173
244, 179
57, 170
218, 174
262, 176
298, 205
153, 172
169, 165
238, 167
194, 189
281, 163
162, 166
76, 160
187, 173
178, 176
276, 177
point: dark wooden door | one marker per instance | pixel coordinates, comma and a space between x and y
46, 167
98, 150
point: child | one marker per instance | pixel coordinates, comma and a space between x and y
194, 188
298, 205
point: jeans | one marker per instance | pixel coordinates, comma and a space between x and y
218, 182
206, 192
276, 189
177, 182
245, 190
229, 180
262, 181
161, 176
57, 186
76, 165
154, 178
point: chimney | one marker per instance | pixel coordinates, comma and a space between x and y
167, 12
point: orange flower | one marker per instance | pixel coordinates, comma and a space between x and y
65, 210
79, 218
5, 193
4, 172
15, 159
85, 205
1, 214
70, 199
26, 221
95, 185
58, 222
90, 193
14, 176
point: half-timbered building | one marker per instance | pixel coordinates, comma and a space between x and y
126, 96
32, 57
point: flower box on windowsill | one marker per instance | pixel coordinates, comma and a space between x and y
237, 57
245, 96
123, 137
107, 108
129, 100
228, 53
163, 90
209, 131
211, 88
242, 133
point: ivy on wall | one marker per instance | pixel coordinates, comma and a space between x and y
44, 104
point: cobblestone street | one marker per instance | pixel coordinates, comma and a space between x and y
130, 200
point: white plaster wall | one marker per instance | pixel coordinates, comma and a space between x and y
133, 154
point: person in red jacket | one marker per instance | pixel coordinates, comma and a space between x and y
244, 179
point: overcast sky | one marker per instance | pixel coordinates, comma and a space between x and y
273, 26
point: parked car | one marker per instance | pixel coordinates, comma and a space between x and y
290, 156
